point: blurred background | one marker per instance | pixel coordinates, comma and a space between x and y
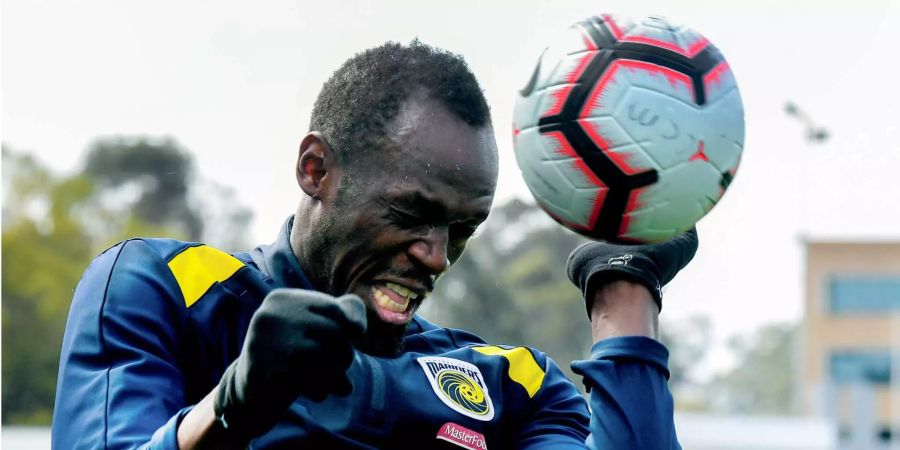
182, 119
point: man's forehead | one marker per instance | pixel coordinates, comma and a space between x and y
428, 136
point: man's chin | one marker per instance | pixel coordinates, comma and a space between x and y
383, 339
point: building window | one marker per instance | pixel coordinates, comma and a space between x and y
864, 294
869, 365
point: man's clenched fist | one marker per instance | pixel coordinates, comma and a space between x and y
293, 332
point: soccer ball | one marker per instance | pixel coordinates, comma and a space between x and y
629, 130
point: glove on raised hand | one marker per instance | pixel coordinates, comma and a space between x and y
299, 343
596, 263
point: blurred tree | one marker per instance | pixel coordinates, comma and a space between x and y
225, 220
149, 176
148, 186
688, 342
763, 380
44, 253
54, 225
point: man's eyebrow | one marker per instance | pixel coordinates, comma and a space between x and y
415, 200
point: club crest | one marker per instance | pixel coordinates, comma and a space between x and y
459, 385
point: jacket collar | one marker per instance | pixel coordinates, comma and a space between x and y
278, 262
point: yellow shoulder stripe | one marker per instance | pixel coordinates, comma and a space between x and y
197, 268
523, 369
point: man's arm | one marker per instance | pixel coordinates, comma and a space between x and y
119, 382
622, 312
627, 375
624, 308
631, 406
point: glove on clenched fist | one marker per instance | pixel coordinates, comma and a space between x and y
596, 263
299, 343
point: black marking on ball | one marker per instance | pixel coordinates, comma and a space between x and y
726, 179
695, 67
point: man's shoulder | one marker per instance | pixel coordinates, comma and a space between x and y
166, 249
190, 268
174, 253
444, 339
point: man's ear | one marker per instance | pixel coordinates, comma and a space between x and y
316, 170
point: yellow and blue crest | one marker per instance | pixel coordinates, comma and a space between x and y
460, 385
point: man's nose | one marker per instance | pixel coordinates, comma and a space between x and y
431, 250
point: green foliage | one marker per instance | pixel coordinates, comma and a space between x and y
54, 225
44, 254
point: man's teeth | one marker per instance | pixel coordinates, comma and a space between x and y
388, 303
402, 291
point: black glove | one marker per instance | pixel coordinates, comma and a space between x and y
299, 343
597, 263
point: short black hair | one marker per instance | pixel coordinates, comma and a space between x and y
365, 94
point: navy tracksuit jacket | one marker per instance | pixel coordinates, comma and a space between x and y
155, 322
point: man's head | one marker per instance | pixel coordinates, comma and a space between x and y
398, 170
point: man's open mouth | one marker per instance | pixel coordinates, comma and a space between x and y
395, 303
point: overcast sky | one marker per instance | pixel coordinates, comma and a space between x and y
234, 82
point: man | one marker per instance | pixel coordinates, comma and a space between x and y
313, 341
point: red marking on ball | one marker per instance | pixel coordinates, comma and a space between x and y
633, 204
699, 154
620, 159
563, 147
692, 50
559, 97
673, 77
575, 74
715, 74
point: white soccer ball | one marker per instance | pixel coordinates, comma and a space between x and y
629, 130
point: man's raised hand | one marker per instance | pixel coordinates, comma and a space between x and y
595, 264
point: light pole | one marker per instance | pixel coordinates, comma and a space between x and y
815, 134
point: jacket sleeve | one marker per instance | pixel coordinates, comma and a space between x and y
119, 384
631, 406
